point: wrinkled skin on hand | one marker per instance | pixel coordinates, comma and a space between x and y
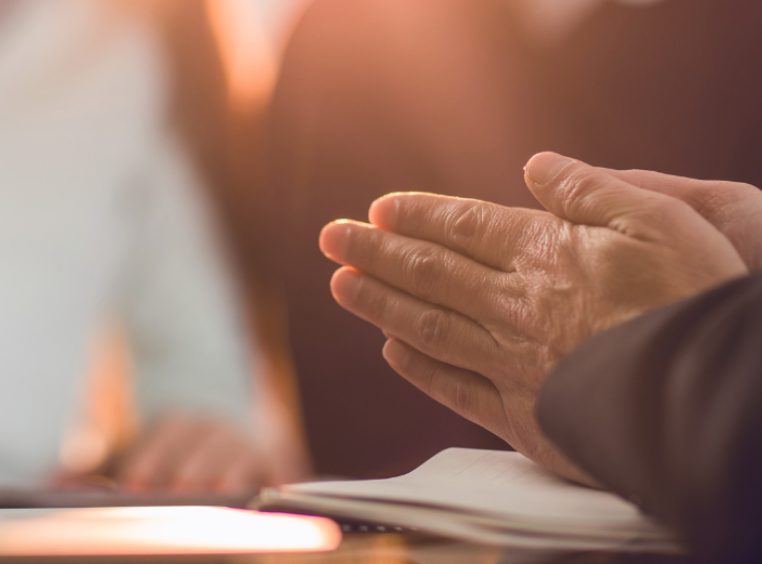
480, 301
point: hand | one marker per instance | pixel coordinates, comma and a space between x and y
480, 301
734, 208
190, 454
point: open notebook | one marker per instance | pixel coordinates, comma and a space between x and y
485, 496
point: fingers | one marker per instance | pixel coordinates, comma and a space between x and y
240, 476
591, 196
733, 208
487, 233
437, 332
205, 468
188, 455
154, 461
701, 195
425, 270
467, 393
478, 400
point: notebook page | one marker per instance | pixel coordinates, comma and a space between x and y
503, 484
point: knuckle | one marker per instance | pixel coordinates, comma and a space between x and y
504, 293
498, 302
422, 268
663, 211
468, 222
429, 378
378, 306
671, 206
579, 181
431, 328
375, 304
710, 199
462, 398
520, 321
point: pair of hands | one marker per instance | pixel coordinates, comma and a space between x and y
480, 301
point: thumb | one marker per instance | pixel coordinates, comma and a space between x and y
587, 195
733, 208
719, 202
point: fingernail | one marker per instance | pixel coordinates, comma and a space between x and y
384, 210
545, 167
345, 285
334, 238
394, 353
388, 350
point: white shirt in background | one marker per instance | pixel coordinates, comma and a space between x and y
101, 219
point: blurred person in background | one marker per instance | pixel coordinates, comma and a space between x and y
453, 97
110, 118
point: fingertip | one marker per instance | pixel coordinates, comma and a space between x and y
395, 353
387, 351
333, 238
545, 167
385, 210
344, 284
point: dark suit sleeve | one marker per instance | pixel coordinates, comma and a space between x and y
666, 410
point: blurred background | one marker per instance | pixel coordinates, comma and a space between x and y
166, 167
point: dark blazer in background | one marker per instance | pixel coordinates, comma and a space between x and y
667, 411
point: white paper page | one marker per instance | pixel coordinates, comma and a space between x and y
503, 484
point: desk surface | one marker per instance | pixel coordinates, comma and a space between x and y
372, 548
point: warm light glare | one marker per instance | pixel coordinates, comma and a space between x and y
160, 531
247, 51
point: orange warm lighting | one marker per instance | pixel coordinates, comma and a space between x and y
141, 531
247, 52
